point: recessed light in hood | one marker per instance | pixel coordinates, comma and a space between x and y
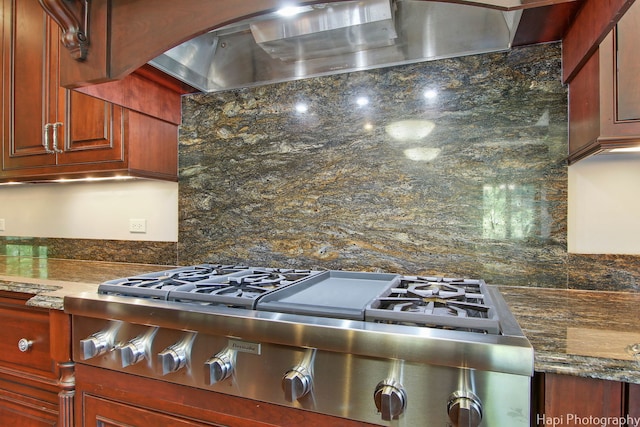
337, 37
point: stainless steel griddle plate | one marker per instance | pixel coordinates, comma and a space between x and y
340, 294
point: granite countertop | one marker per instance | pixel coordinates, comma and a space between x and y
583, 333
49, 280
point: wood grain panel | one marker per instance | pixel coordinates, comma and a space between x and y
139, 396
584, 106
591, 25
569, 396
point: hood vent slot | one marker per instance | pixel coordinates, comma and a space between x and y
335, 38
327, 30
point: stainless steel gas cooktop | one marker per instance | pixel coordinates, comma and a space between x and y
376, 347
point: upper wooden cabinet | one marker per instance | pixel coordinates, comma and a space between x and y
620, 79
50, 132
604, 95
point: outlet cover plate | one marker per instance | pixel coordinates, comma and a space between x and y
137, 225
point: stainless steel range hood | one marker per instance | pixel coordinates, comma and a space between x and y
336, 38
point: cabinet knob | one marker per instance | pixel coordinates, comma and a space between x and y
24, 345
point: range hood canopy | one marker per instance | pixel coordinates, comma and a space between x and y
337, 37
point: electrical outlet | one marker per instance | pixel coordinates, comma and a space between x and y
1, 224
137, 225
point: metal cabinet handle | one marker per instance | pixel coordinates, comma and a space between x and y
55, 137
45, 141
24, 345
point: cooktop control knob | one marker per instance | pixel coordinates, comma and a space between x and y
390, 399
296, 383
132, 352
220, 367
172, 359
95, 345
465, 409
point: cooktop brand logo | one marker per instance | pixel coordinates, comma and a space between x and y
245, 346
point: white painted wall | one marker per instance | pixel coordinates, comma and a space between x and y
604, 205
603, 208
94, 210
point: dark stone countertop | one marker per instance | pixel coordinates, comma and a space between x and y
574, 332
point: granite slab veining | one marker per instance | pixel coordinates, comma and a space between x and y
448, 167
582, 333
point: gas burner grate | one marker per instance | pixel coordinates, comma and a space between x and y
436, 302
240, 289
158, 285
232, 285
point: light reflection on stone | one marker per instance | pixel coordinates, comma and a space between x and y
410, 130
422, 154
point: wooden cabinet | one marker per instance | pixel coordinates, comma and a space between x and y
604, 95
634, 401
620, 81
110, 398
36, 381
582, 397
51, 132
571, 400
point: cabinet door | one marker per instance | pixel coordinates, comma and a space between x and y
620, 81
634, 400
107, 413
92, 130
17, 414
628, 65
27, 86
38, 111
567, 397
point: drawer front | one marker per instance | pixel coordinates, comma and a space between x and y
33, 326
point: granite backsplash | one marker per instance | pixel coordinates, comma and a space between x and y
450, 167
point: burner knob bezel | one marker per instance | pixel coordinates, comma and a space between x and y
296, 383
132, 352
390, 399
95, 345
172, 359
220, 367
464, 409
